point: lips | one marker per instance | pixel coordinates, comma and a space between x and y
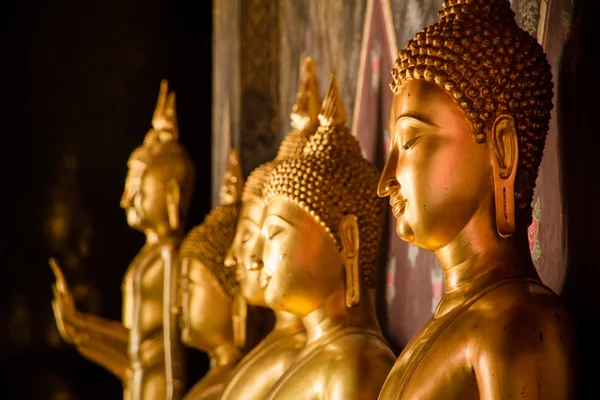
398, 206
263, 279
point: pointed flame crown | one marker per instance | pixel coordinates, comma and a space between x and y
331, 180
209, 241
478, 54
233, 181
161, 153
304, 122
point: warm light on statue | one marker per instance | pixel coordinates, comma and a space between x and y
144, 350
265, 364
208, 288
469, 117
317, 253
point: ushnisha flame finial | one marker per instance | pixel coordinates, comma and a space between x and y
233, 181
308, 100
304, 116
333, 112
164, 119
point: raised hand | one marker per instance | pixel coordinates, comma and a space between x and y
63, 304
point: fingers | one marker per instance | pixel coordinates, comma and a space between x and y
170, 108
162, 99
63, 299
61, 282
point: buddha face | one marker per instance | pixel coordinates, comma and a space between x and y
144, 198
205, 311
248, 230
437, 178
300, 266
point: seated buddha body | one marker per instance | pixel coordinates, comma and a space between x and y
316, 253
207, 289
264, 365
469, 123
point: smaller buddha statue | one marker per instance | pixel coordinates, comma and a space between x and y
469, 118
266, 362
207, 288
142, 350
317, 253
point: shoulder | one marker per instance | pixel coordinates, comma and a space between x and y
359, 361
518, 319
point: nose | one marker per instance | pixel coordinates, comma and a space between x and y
230, 260
256, 261
388, 183
127, 197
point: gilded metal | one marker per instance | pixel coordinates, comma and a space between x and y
322, 223
260, 369
208, 288
469, 118
142, 351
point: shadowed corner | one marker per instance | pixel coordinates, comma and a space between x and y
576, 104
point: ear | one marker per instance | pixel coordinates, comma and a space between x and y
505, 157
348, 232
173, 193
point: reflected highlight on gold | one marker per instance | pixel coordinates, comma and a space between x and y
472, 101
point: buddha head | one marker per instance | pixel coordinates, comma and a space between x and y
469, 118
323, 221
304, 122
160, 178
207, 287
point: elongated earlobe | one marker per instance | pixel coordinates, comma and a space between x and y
240, 313
173, 199
348, 233
504, 144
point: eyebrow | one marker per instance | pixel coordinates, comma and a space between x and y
247, 218
280, 217
417, 117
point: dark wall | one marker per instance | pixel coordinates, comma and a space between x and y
577, 109
81, 79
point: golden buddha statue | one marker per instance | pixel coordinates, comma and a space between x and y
317, 263
208, 288
142, 350
469, 118
258, 371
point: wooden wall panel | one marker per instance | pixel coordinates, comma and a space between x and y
330, 31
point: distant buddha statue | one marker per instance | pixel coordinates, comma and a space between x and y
469, 118
265, 364
317, 253
141, 350
208, 288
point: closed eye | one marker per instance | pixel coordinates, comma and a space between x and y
246, 237
412, 142
274, 231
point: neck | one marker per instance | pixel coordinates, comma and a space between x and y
159, 235
333, 315
224, 355
479, 257
285, 320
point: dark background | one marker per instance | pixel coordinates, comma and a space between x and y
81, 80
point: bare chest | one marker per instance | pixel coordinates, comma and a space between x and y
257, 374
142, 291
